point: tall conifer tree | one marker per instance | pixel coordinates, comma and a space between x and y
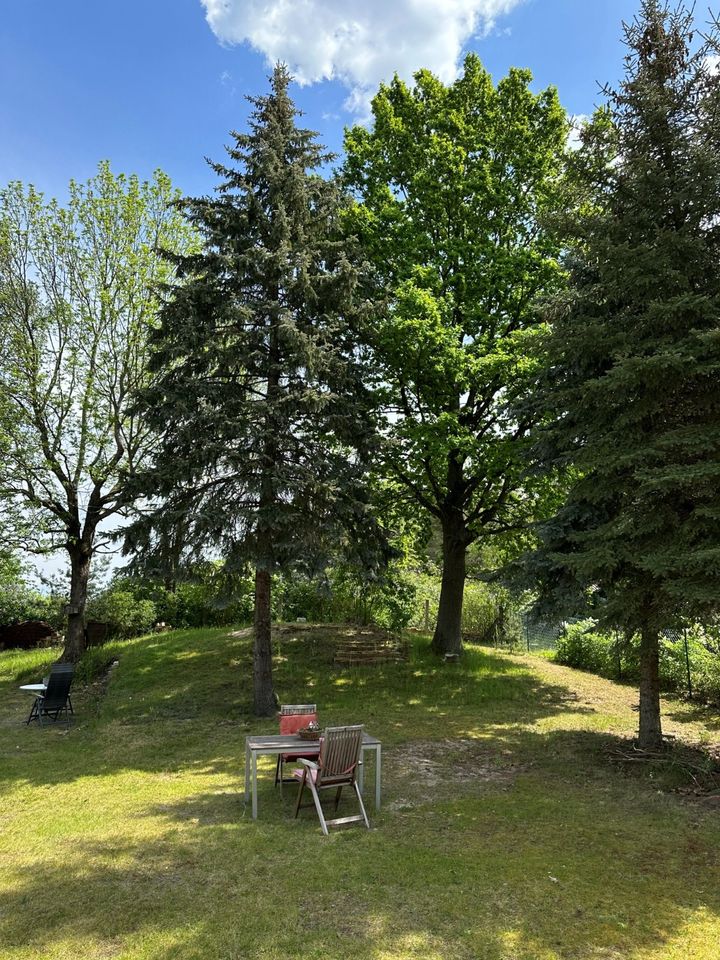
256, 395
633, 364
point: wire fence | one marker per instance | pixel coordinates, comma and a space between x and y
502, 625
538, 635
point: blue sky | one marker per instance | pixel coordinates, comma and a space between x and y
159, 83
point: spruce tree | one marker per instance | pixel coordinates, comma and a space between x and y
633, 363
256, 397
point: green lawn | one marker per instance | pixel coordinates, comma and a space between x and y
506, 832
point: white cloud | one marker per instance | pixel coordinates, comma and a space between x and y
712, 62
358, 42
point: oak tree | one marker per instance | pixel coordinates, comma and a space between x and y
453, 185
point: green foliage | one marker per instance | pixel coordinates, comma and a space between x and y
634, 358
125, 614
585, 646
132, 605
454, 185
344, 595
490, 614
79, 290
256, 356
20, 601
80, 286
196, 603
633, 361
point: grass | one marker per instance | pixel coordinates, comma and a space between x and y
506, 833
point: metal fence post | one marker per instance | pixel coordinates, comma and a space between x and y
687, 664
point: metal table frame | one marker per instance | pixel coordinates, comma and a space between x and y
273, 745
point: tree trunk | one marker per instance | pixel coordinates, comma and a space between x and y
650, 733
75, 631
264, 701
447, 637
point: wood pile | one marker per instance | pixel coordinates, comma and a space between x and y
369, 650
28, 634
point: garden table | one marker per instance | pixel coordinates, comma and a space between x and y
35, 688
273, 745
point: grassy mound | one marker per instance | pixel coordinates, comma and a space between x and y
507, 832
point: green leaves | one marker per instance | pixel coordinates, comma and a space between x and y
453, 185
80, 286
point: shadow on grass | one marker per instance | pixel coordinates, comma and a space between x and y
180, 700
689, 710
495, 840
555, 864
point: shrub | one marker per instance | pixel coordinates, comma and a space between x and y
20, 602
490, 614
585, 647
343, 595
132, 605
125, 614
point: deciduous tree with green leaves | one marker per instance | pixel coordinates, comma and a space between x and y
257, 394
79, 288
453, 187
633, 363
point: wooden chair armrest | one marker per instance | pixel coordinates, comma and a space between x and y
308, 763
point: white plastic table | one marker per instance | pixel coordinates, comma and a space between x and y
254, 746
34, 688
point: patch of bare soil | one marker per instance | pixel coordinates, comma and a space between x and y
425, 770
91, 695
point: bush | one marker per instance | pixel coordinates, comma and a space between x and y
490, 615
489, 612
125, 614
343, 595
20, 602
132, 605
584, 647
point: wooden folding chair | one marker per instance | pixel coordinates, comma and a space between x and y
336, 767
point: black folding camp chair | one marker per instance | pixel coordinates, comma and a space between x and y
56, 698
